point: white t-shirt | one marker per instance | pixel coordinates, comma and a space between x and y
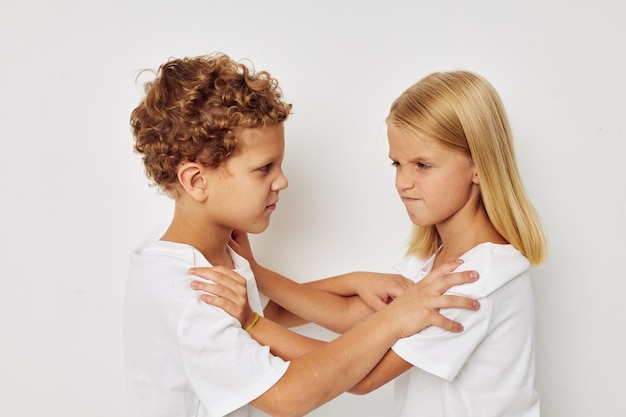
184, 357
489, 368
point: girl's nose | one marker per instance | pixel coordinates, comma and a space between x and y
403, 182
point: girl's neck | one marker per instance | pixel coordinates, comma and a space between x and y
458, 240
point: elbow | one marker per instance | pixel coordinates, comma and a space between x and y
290, 413
362, 388
282, 411
287, 407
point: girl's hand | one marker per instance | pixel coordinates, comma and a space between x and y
240, 243
226, 289
377, 290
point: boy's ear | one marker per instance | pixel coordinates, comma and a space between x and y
191, 177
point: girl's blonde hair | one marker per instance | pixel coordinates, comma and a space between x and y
464, 112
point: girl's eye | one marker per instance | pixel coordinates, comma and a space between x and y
422, 165
395, 164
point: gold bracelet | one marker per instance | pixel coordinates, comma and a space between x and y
254, 320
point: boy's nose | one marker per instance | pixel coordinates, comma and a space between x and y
280, 183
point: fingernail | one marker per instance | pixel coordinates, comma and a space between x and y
473, 274
459, 261
194, 284
460, 328
476, 304
191, 270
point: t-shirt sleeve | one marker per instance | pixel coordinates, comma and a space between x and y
444, 353
226, 367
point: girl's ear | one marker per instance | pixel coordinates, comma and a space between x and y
476, 178
192, 178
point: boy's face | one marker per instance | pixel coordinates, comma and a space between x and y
244, 190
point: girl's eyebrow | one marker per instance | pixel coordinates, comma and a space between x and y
414, 158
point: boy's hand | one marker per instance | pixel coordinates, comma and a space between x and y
226, 289
419, 306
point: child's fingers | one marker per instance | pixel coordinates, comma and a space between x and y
453, 279
442, 270
207, 272
455, 301
221, 276
241, 244
213, 289
225, 286
445, 323
224, 303
240, 237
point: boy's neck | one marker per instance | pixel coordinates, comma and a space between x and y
210, 241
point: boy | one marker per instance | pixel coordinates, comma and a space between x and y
211, 135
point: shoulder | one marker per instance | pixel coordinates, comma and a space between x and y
156, 250
496, 264
158, 276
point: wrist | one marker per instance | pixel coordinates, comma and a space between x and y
252, 322
254, 265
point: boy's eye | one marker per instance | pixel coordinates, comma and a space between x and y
265, 168
395, 164
422, 165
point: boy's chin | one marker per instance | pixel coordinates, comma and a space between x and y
256, 229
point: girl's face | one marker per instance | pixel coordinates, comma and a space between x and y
435, 183
244, 190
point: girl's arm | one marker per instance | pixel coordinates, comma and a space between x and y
339, 365
332, 311
325, 308
228, 291
331, 303
375, 289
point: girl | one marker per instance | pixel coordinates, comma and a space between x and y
451, 145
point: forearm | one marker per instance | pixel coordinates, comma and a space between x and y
330, 310
324, 373
344, 284
283, 342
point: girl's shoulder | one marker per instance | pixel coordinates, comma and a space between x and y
496, 265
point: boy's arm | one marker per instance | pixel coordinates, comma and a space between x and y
339, 365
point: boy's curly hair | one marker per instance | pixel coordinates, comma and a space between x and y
193, 110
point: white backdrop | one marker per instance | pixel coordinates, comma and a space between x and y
75, 200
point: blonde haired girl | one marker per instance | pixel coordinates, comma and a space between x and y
451, 145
